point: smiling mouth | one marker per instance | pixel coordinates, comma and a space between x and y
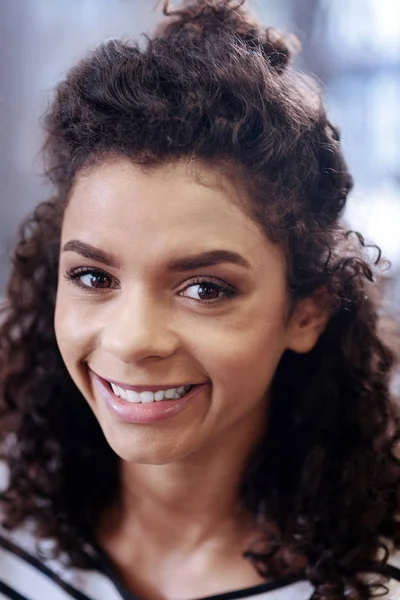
149, 396
145, 403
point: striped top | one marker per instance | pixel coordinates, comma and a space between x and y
24, 576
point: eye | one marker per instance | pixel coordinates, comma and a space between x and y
209, 291
90, 279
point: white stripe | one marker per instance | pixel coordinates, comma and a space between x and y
27, 580
93, 583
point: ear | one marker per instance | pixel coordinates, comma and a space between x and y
309, 320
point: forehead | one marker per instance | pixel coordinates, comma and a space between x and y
168, 208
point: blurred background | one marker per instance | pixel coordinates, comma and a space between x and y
351, 46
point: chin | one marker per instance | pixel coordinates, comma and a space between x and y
161, 456
147, 447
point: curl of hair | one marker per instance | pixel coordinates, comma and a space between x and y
215, 85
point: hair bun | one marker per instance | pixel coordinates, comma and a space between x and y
195, 18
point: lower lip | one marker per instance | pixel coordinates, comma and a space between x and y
143, 413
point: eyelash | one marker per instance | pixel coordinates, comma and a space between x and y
75, 276
229, 292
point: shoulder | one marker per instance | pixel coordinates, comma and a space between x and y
24, 571
391, 579
394, 575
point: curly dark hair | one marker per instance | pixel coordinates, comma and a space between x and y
215, 85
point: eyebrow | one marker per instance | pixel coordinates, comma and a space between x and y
92, 253
188, 263
208, 259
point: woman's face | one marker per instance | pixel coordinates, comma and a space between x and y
165, 282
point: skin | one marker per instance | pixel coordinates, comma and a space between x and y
154, 327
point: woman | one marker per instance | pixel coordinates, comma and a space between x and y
196, 380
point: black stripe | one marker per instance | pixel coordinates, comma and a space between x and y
34, 562
12, 594
393, 572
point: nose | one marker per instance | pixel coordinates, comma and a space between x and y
138, 328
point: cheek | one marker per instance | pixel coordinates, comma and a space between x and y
244, 356
73, 330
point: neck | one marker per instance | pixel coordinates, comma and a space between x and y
181, 506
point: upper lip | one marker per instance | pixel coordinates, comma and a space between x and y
146, 388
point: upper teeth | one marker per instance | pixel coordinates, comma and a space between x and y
145, 397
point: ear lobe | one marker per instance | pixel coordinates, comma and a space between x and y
308, 322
